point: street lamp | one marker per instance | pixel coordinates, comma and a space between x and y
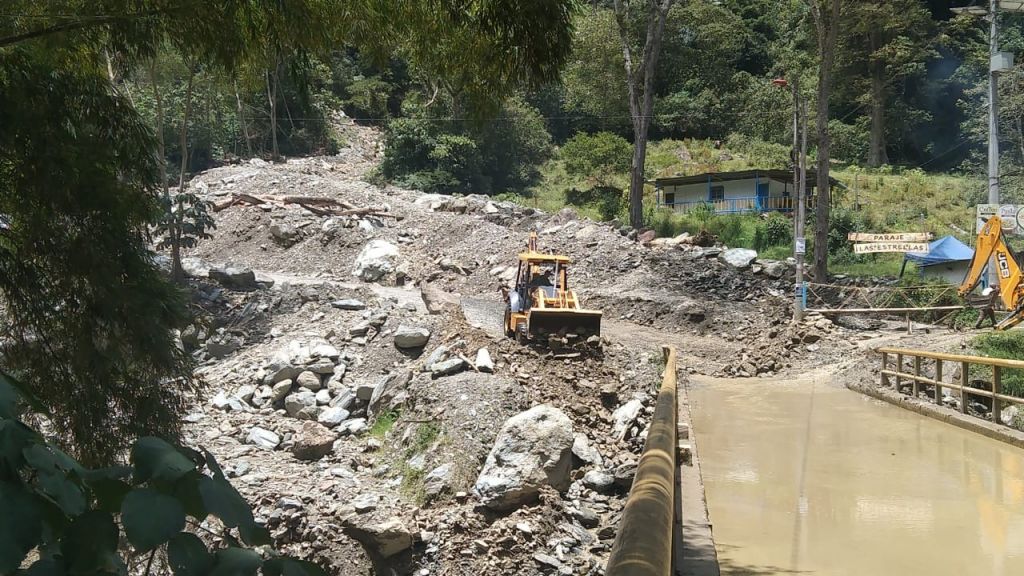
998, 62
800, 183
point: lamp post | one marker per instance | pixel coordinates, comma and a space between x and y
998, 62
800, 183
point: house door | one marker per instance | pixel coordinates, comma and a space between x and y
762, 196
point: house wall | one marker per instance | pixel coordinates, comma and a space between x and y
951, 272
733, 189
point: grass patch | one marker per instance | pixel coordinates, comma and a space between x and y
425, 436
1008, 345
384, 423
873, 265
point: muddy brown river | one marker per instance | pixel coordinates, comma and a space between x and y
807, 477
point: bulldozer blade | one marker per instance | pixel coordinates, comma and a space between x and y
582, 323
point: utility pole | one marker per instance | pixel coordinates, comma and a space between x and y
799, 158
993, 108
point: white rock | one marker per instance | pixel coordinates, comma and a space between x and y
483, 361
624, 417
323, 397
333, 416
299, 401
738, 257
377, 259
533, 449
582, 449
355, 426
598, 480
438, 480
326, 351
263, 438
411, 337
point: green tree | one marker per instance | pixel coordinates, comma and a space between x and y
640, 65
597, 157
886, 43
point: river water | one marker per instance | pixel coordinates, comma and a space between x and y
807, 477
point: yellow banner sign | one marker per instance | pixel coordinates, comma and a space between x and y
894, 237
876, 247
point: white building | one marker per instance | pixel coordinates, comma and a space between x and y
734, 192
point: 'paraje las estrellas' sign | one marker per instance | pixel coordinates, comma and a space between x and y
894, 237
876, 247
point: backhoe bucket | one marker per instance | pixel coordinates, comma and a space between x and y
553, 321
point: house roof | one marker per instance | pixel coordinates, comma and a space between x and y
945, 249
780, 175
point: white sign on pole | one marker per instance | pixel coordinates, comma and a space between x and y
891, 237
1011, 217
876, 247
801, 246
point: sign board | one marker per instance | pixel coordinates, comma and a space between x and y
1011, 215
801, 246
877, 247
894, 237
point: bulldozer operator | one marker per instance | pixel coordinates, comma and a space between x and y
989, 310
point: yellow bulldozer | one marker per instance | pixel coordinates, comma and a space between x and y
991, 244
541, 306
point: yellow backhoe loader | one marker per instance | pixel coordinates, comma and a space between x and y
541, 305
992, 244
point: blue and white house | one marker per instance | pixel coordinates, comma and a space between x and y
747, 191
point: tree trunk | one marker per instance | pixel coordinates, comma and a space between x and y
275, 154
877, 154
241, 122
641, 96
177, 274
826, 15
161, 146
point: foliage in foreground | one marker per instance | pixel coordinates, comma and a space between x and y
89, 318
112, 521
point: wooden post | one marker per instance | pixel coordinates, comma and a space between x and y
938, 380
899, 370
964, 379
917, 374
997, 388
885, 366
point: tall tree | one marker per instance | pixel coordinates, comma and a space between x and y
640, 73
885, 42
826, 15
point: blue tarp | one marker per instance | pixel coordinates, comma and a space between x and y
945, 249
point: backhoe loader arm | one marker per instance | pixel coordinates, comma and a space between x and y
1008, 273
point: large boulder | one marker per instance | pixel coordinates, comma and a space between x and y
387, 390
376, 260
738, 257
381, 539
411, 337
313, 442
235, 278
533, 449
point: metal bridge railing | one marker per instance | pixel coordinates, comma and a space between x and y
644, 544
932, 375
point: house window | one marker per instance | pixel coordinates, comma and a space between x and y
717, 193
670, 198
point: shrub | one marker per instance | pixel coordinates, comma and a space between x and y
773, 230
72, 518
1009, 345
596, 155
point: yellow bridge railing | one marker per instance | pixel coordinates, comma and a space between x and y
644, 544
928, 371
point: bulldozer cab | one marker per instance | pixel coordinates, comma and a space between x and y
541, 303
